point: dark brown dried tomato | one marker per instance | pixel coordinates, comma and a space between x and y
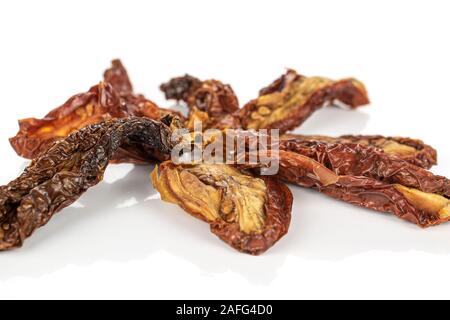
211, 96
60, 176
291, 99
181, 88
411, 150
209, 99
249, 213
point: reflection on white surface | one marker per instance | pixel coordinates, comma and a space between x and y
122, 219
105, 229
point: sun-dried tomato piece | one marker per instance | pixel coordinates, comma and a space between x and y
422, 208
133, 104
102, 102
411, 150
60, 176
117, 76
211, 100
291, 99
181, 88
211, 96
360, 160
249, 213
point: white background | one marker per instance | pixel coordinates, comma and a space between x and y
121, 241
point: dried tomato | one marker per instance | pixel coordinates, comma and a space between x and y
411, 150
247, 212
291, 99
110, 99
70, 167
417, 205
